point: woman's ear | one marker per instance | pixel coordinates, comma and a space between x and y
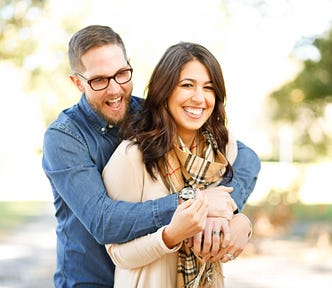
77, 82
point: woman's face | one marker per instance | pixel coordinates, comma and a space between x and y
192, 101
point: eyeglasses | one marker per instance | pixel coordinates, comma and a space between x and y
101, 83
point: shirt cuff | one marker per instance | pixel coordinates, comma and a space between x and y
164, 208
162, 243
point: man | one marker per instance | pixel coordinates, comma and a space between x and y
76, 148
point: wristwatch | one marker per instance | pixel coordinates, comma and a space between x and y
187, 193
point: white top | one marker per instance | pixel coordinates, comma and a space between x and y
145, 261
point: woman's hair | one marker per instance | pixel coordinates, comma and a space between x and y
154, 129
90, 37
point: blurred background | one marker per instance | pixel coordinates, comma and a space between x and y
277, 62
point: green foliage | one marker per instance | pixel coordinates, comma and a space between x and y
302, 103
30, 39
16, 20
311, 89
317, 212
14, 213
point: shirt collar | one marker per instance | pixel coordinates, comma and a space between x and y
94, 119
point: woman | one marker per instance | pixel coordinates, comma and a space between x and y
179, 140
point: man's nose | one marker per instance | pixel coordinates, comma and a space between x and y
113, 87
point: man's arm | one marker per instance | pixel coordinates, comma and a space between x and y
76, 180
188, 219
245, 171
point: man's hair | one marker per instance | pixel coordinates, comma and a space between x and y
90, 37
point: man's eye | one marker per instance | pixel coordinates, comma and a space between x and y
99, 80
121, 73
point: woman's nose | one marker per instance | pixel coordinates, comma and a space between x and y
198, 95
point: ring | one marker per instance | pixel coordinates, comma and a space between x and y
230, 256
216, 233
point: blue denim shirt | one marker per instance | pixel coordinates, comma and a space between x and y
77, 146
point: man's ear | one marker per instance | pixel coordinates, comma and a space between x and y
77, 82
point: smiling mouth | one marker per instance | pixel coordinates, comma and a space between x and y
114, 101
194, 111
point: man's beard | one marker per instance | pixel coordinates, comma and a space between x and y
113, 121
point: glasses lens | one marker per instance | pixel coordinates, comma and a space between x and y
99, 83
123, 76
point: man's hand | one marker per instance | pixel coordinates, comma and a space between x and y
220, 202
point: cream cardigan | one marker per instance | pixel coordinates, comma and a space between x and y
145, 261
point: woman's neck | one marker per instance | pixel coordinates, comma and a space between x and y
188, 139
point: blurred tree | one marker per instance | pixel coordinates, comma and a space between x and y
302, 102
33, 37
16, 19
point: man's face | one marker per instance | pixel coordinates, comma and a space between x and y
112, 102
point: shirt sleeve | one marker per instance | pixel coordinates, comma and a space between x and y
140, 252
126, 170
245, 172
76, 179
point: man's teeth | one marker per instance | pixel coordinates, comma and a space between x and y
114, 100
195, 111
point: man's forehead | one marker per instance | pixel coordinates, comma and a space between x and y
104, 60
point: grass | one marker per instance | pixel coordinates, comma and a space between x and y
319, 212
298, 211
13, 214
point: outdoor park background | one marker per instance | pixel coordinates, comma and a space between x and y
277, 62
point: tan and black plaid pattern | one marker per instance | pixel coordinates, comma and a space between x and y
187, 268
197, 167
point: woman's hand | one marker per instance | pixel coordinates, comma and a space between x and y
208, 243
240, 232
189, 219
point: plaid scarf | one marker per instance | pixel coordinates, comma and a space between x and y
198, 167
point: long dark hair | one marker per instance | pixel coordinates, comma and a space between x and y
154, 129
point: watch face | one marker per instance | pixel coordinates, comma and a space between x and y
188, 193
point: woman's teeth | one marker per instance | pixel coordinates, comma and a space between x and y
195, 111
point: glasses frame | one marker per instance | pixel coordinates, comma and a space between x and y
108, 78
